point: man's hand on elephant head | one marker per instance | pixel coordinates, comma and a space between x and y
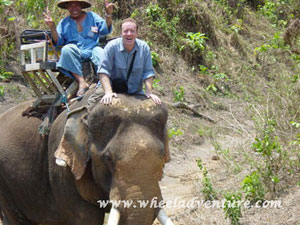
107, 98
155, 98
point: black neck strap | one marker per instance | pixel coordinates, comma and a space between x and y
131, 65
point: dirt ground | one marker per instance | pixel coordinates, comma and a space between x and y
182, 182
182, 178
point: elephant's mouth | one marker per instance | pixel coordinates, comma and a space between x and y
114, 217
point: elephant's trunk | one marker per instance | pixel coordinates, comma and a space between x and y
137, 213
130, 210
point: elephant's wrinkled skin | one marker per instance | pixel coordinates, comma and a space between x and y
126, 144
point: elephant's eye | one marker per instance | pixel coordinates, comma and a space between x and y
106, 157
108, 160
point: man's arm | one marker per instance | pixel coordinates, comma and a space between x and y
108, 20
51, 25
148, 87
109, 10
148, 76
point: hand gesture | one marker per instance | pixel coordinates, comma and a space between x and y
47, 18
109, 7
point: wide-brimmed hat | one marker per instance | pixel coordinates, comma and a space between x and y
63, 3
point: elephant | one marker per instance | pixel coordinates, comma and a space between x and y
116, 154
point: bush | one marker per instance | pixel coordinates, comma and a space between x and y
253, 187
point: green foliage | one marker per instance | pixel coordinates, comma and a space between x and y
203, 69
199, 163
232, 208
1, 91
262, 49
7, 47
295, 124
264, 52
274, 158
221, 76
207, 189
295, 57
218, 82
5, 75
4, 3
297, 141
135, 13
229, 159
237, 27
279, 11
179, 94
157, 86
174, 132
273, 11
275, 43
154, 12
253, 187
268, 9
158, 19
265, 146
212, 88
210, 56
295, 78
196, 41
200, 132
155, 58
32, 10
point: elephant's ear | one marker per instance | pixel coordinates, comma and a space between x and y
73, 147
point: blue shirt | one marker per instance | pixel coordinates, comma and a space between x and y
117, 61
93, 27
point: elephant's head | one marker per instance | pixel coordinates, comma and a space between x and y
128, 147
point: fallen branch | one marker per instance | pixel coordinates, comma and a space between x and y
182, 105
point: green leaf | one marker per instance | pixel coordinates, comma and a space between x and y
1, 91
6, 2
11, 18
275, 179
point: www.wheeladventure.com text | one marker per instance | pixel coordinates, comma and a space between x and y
193, 203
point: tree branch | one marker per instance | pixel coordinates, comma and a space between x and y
182, 105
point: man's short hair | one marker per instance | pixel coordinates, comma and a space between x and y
130, 20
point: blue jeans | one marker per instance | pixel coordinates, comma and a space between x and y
71, 58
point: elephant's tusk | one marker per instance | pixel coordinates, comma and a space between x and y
114, 216
163, 218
